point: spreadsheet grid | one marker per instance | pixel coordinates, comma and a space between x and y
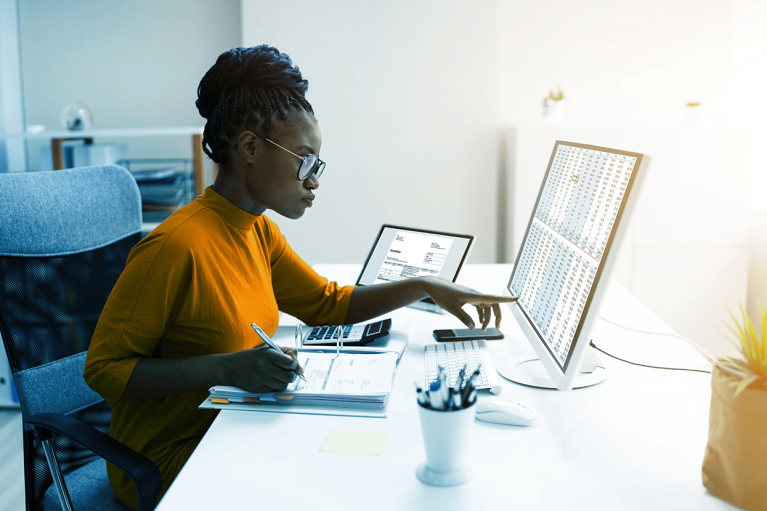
567, 239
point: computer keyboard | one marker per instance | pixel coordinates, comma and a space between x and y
453, 355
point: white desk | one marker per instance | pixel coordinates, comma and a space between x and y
635, 441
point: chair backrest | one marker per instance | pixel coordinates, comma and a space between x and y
64, 240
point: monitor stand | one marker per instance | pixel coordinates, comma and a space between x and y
526, 369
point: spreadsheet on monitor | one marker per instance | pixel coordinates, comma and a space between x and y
567, 240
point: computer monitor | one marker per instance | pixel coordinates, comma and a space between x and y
564, 263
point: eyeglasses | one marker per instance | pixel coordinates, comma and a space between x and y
309, 164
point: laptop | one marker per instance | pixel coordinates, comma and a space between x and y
401, 253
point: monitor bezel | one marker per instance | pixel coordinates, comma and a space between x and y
591, 308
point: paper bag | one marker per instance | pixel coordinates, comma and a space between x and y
735, 463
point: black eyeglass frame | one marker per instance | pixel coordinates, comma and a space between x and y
317, 168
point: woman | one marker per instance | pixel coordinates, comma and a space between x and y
178, 320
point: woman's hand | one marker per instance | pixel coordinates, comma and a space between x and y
371, 301
452, 297
262, 369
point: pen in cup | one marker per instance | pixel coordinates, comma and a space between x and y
469, 394
445, 388
420, 395
435, 394
271, 344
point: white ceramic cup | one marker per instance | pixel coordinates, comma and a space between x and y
446, 440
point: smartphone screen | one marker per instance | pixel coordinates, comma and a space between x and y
464, 334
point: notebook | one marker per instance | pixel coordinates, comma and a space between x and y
344, 384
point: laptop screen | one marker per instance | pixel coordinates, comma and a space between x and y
401, 253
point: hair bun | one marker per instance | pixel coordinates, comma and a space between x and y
260, 66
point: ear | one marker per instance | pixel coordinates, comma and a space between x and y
246, 146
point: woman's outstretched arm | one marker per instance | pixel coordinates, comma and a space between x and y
371, 301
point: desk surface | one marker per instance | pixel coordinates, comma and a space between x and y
635, 441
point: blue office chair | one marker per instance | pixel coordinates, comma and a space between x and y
64, 240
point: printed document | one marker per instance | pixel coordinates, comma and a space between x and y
413, 254
347, 373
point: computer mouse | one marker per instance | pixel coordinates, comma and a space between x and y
502, 411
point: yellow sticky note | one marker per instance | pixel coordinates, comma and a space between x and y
355, 442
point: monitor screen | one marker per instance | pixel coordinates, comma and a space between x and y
568, 239
402, 253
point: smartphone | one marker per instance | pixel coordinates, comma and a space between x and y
464, 334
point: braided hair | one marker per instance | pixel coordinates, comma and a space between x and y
247, 88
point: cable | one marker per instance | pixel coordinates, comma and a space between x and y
643, 365
700, 349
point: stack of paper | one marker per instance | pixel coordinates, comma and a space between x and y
349, 380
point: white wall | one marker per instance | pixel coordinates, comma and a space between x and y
618, 62
405, 95
627, 69
136, 64
749, 74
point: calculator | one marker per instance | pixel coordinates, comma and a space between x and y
354, 335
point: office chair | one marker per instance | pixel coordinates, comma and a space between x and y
64, 240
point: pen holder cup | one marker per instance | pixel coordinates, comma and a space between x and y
446, 440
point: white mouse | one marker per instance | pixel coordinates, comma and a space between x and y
502, 411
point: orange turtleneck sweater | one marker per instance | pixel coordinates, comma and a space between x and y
193, 287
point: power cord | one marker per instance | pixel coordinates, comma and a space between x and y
644, 365
708, 356
700, 349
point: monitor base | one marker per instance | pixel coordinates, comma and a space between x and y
526, 369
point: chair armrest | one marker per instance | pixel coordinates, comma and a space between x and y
145, 474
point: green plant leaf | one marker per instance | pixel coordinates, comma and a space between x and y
753, 341
744, 383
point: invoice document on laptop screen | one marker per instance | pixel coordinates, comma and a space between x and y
400, 253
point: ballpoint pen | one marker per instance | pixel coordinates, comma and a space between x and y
461, 379
420, 395
468, 389
271, 344
435, 396
445, 389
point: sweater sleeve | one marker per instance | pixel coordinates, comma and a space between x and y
144, 301
299, 290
